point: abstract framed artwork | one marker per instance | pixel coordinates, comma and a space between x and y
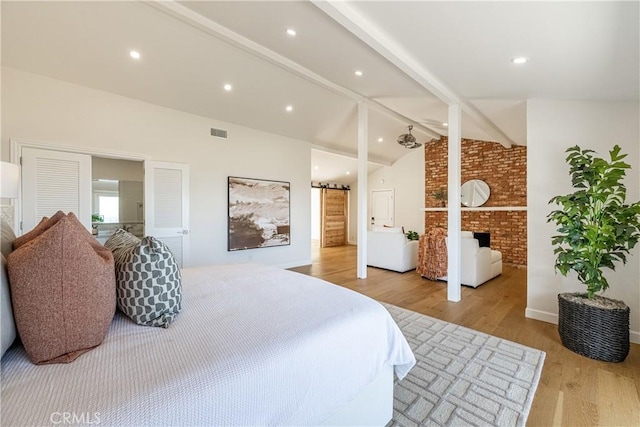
259, 212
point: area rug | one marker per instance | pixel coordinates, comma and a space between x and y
462, 377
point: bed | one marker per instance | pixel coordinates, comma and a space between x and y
253, 345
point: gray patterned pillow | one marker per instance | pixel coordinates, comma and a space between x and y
148, 279
121, 243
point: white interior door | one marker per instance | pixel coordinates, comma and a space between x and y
167, 206
382, 207
54, 181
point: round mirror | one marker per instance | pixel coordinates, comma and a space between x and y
474, 193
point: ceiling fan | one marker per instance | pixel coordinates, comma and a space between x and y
407, 140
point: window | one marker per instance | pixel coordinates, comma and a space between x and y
108, 207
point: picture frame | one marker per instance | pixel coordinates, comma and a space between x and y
259, 213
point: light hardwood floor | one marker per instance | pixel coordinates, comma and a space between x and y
573, 390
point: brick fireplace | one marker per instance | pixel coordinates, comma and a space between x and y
504, 215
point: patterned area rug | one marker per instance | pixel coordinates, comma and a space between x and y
463, 377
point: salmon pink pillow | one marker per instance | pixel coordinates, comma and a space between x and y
62, 289
42, 226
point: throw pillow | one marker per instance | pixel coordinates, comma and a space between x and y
148, 280
387, 229
121, 243
7, 324
63, 292
42, 226
7, 236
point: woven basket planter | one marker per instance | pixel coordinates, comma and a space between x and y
595, 329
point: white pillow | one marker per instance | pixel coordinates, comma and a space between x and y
380, 229
7, 237
6, 315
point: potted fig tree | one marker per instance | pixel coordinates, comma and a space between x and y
596, 230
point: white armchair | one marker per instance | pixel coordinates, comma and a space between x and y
478, 264
390, 249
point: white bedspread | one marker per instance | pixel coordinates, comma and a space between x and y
253, 345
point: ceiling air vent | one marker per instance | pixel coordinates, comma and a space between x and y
219, 133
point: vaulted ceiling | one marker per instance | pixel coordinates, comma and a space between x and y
414, 57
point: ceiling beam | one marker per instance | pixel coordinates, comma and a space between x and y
210, 27
345, 15
351, 154
375, 105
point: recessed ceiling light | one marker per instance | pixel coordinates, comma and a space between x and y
348, 173
291, 32
358, 73
520, 60
445, 124
289, 108
316, 167
380, 139
134, 54
228, 87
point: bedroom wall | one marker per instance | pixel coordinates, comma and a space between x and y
552, 127
406, 177
44, 110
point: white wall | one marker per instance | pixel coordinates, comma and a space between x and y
552, 127
406, 177
44, 110
316, 225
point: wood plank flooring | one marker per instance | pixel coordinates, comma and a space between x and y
573, 390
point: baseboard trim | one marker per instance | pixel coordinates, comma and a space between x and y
545, 316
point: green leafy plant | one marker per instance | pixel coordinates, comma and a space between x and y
597, 228
441, 196
97, 218
412, 235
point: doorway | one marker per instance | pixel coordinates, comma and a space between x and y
382, 208
117, 190
60, 178
334, 208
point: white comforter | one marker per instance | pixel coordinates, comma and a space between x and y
253, 345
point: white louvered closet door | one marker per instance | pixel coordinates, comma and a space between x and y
55, 181
166, 193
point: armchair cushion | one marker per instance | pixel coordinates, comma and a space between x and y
478, 264
383, 229
391, 250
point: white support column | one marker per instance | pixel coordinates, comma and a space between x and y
363, 212
453, 217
